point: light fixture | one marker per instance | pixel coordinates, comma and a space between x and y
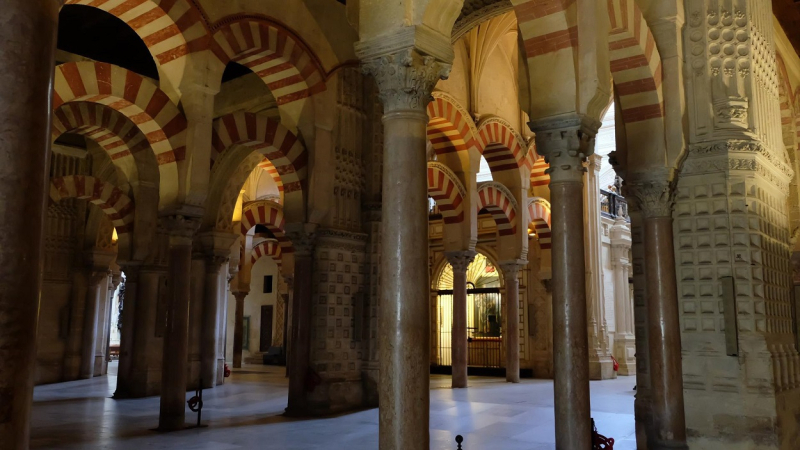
114, 236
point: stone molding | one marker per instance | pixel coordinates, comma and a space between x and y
479, 13
342, 240
421, 38
406, 78
303, 243
654, 197
215, 262
460, 260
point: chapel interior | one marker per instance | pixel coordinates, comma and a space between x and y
363, 224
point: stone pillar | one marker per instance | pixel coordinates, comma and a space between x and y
176, 336
94, 296
624, 340
287, 344
126, 339
565, 143
300, 354
405, 80
212, 307
601, 367
26, 78
460, 261
655, 199
147, 335
238, 329
511, 334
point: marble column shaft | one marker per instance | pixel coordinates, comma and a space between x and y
300, 354
27, 50
238, 329
91, 321
176, 335
655, 198
405, 80
147, 348
212, 306
511, 334
460, 262
126, 339
565, 144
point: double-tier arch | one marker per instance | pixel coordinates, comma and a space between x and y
268, 247
504, 149
270, 215
539, 216
498, 201
452, 133
448, 192
138, 99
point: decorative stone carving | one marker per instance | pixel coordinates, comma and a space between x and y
406, 78
460, 260
303, 242
654, 198
181, 229
215, 262
565, 143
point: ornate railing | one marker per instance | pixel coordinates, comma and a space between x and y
613, 205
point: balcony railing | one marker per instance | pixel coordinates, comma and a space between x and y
613, 205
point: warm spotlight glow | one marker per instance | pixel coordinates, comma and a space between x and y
114, 236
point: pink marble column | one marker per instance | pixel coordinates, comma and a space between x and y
654, 196
176, 336
565, 143
405, 80
300, 354
511, 334
27, 45
460, 261
238, 329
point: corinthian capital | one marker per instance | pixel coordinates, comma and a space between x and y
406, 78
565, 142
181, 229
460, 260
653, 197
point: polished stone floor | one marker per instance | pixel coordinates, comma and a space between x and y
245, 413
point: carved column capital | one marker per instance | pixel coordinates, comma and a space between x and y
181, 229
240, 296
565, 142
406, 78
511, 268
303, 242
653, 197
460, 260
98, 276
215, 262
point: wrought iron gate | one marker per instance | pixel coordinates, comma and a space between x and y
484, 327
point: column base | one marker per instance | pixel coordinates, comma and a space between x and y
601, 368
171, 423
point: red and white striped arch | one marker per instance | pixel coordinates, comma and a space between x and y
137, 98
451, 131
270, 215
287, 66
114, 132
171, 29
539, 214
268, 167
268, 137
447, 190
270, 247
115, 204
503, 148
539, 175
635, 63
501, 204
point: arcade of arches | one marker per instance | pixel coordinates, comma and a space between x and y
372, 190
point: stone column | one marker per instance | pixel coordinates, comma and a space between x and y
95, 294
655, 199
601, 367
212, 305
126, 338
176, 336
405, 80
238, 329
565, 143
511, 334
460, 261
287, 344
26, 78
624, 341
300, 341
